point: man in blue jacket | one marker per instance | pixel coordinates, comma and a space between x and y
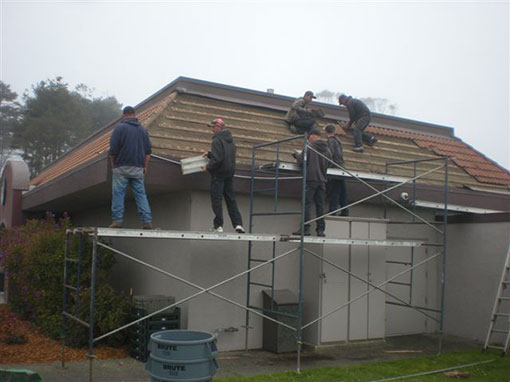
130, 150
222, 166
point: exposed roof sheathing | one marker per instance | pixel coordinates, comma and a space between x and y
176, 125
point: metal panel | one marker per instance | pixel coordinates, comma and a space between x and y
358, 320
453, 207
335, 285
377, 275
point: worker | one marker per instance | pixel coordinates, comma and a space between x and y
300, 118
316, 178
222, 166
336, 189
130, 152
360, 116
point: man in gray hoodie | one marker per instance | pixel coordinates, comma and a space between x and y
222, 166
316, 179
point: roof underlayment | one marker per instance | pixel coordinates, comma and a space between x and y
177, 127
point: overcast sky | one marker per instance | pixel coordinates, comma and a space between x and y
444, 63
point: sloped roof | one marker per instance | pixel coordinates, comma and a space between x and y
176, 123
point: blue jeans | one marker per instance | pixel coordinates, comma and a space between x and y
119, 185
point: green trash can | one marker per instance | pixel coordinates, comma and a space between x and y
182, 355
19, 375
277, 338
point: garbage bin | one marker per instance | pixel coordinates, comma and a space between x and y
275, 337
182, 356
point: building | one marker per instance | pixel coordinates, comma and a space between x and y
478, 196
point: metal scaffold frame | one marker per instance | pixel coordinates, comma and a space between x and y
300, 241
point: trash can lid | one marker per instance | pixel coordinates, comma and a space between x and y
282, 296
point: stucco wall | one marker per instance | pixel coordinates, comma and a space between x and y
170, 211
207, 263
476, 254
214, 262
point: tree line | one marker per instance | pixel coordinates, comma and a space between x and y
376, 104
49, 120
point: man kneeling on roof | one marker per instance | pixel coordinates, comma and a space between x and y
360, 116
300, 118
316, 178
222, 166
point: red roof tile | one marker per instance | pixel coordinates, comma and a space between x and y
474, 163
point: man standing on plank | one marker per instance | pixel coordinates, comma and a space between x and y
222, 166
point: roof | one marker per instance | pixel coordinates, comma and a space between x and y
176, 117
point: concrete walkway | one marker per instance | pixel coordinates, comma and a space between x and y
240, 363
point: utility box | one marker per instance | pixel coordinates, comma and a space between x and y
275, 337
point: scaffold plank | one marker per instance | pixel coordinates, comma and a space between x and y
338, 172
185, 235
264, 237
381, 243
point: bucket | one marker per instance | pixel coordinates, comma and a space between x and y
182, 356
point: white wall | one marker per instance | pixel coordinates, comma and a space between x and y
207, 263
170, 211
214, 262
476, 254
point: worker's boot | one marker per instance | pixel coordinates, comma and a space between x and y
147, 225
373, 141
116, 224
298, 232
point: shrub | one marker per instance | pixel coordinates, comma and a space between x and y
33, 256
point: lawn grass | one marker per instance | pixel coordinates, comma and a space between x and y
496, 371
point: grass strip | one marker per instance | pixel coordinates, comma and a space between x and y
498, 370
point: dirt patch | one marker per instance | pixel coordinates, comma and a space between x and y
32, 346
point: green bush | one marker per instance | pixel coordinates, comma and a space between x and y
33, 256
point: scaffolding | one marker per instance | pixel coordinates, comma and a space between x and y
279, 173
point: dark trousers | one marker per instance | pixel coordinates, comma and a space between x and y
304, 124
224, 188
359, 131
337, 194
315, 193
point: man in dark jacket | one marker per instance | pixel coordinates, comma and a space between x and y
360, 116
316, 178
336, 188
222, 166
300, 117
130, 150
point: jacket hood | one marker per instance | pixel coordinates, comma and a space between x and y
225, 135
131, 121
321, 146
